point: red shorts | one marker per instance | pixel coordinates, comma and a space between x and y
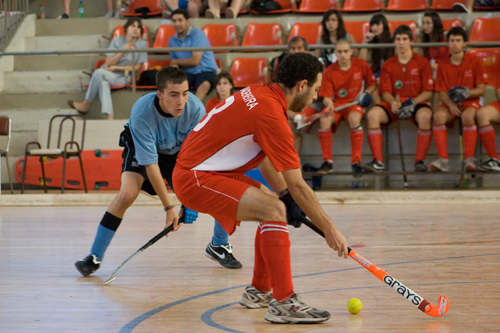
464, 105
393, 116
212, 193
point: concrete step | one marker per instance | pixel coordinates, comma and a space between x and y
43, 81
65, 42
75, 26
54, 62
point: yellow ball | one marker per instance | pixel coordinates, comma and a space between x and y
354, 305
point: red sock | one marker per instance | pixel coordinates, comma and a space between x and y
470, 138
261, 279
275, 250
375, 141
356, 144
441, 140
424, 138
325, 141
488, 139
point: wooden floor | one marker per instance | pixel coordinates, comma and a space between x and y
450, 249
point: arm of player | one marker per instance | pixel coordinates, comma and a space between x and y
188, 62
395, 105
273, 177
328, 103
443, 96
478, 91
156, 179
307, 201
424, 96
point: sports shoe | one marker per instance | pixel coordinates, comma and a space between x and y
223, 254
420, 167
109, 15
357, 171
293, 310
325, 168
254, 299
441, 164
374, 166
88, 265
490, 165
470, 164
461, 8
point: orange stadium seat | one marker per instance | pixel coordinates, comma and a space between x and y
362, 5
165, 31
315, 6
246, 71
286, 7
120, 31
411, 23
258, 34
154, 7
406, 6
491, 61
358, 29
221, 34
485, 30
445, 4
310, 31
448, 24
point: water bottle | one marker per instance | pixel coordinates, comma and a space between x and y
41, 11
81, 10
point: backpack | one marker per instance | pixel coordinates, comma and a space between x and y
265, 5
148, 78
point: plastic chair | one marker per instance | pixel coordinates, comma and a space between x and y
310, 31
448, 24
316, 6
154, 7
262, 34
445, 4
221, 35
491, 61
286, 7
98, 65
485, 30
65, 149
6, 130
411, 23
362, 5
357, 29
246, 71
165, 31
406, 6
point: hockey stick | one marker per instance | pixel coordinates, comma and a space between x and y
401, 155
153, 240
435, 311
464, 179
323, 114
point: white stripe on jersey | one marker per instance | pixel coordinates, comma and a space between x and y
234, 155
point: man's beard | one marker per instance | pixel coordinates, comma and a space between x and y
299, 103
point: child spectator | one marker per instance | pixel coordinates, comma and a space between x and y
224, 86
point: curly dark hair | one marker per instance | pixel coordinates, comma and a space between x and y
167, 75
296, 67
456, 31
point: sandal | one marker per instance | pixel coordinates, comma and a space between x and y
71, 103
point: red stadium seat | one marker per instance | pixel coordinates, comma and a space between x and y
98, 65
221, 34
358, 29
491, 61
406, 6
362, 5
411, 23
286, 7
154, 7
310, 31
246, 71
259, 34
315, 6
165, 31
120, 31
485, 30
448, 24
445, 4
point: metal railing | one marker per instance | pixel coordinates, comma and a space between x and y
11, 14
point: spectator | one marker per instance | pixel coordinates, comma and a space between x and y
409, 76
348, 80
200, 66
224, 86
193, 7
470, 4
333, 31
231, 8
461, 81
433, 32
113, 72
109, 14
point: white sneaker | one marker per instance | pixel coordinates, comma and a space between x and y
293, 310
470, 164
254, 299
490, 165
441, 164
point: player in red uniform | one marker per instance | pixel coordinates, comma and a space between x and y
484, 117
409, 76
461, 80
250, 129
347, 80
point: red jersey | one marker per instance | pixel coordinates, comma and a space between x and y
344, 86
406, 80
470, 73
212, 102
236, 136
438, 54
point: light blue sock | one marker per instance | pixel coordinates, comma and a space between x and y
220, 236
101, 241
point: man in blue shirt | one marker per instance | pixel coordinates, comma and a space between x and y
151, 140
200, 66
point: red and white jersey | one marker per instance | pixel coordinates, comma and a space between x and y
344, 86
406, 80
469, 73
238, 134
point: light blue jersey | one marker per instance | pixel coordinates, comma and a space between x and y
155, 132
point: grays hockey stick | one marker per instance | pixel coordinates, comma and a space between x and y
435, 311
323, 114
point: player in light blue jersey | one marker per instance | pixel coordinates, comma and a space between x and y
158, 125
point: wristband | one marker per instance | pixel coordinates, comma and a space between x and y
284, 192
169, 208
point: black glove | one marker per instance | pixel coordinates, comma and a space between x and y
458, 94
293, 212
364, 99
407, 109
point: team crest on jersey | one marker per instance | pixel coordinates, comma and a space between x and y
414, 71
398, 84
342, 92
468, 73
357, 76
